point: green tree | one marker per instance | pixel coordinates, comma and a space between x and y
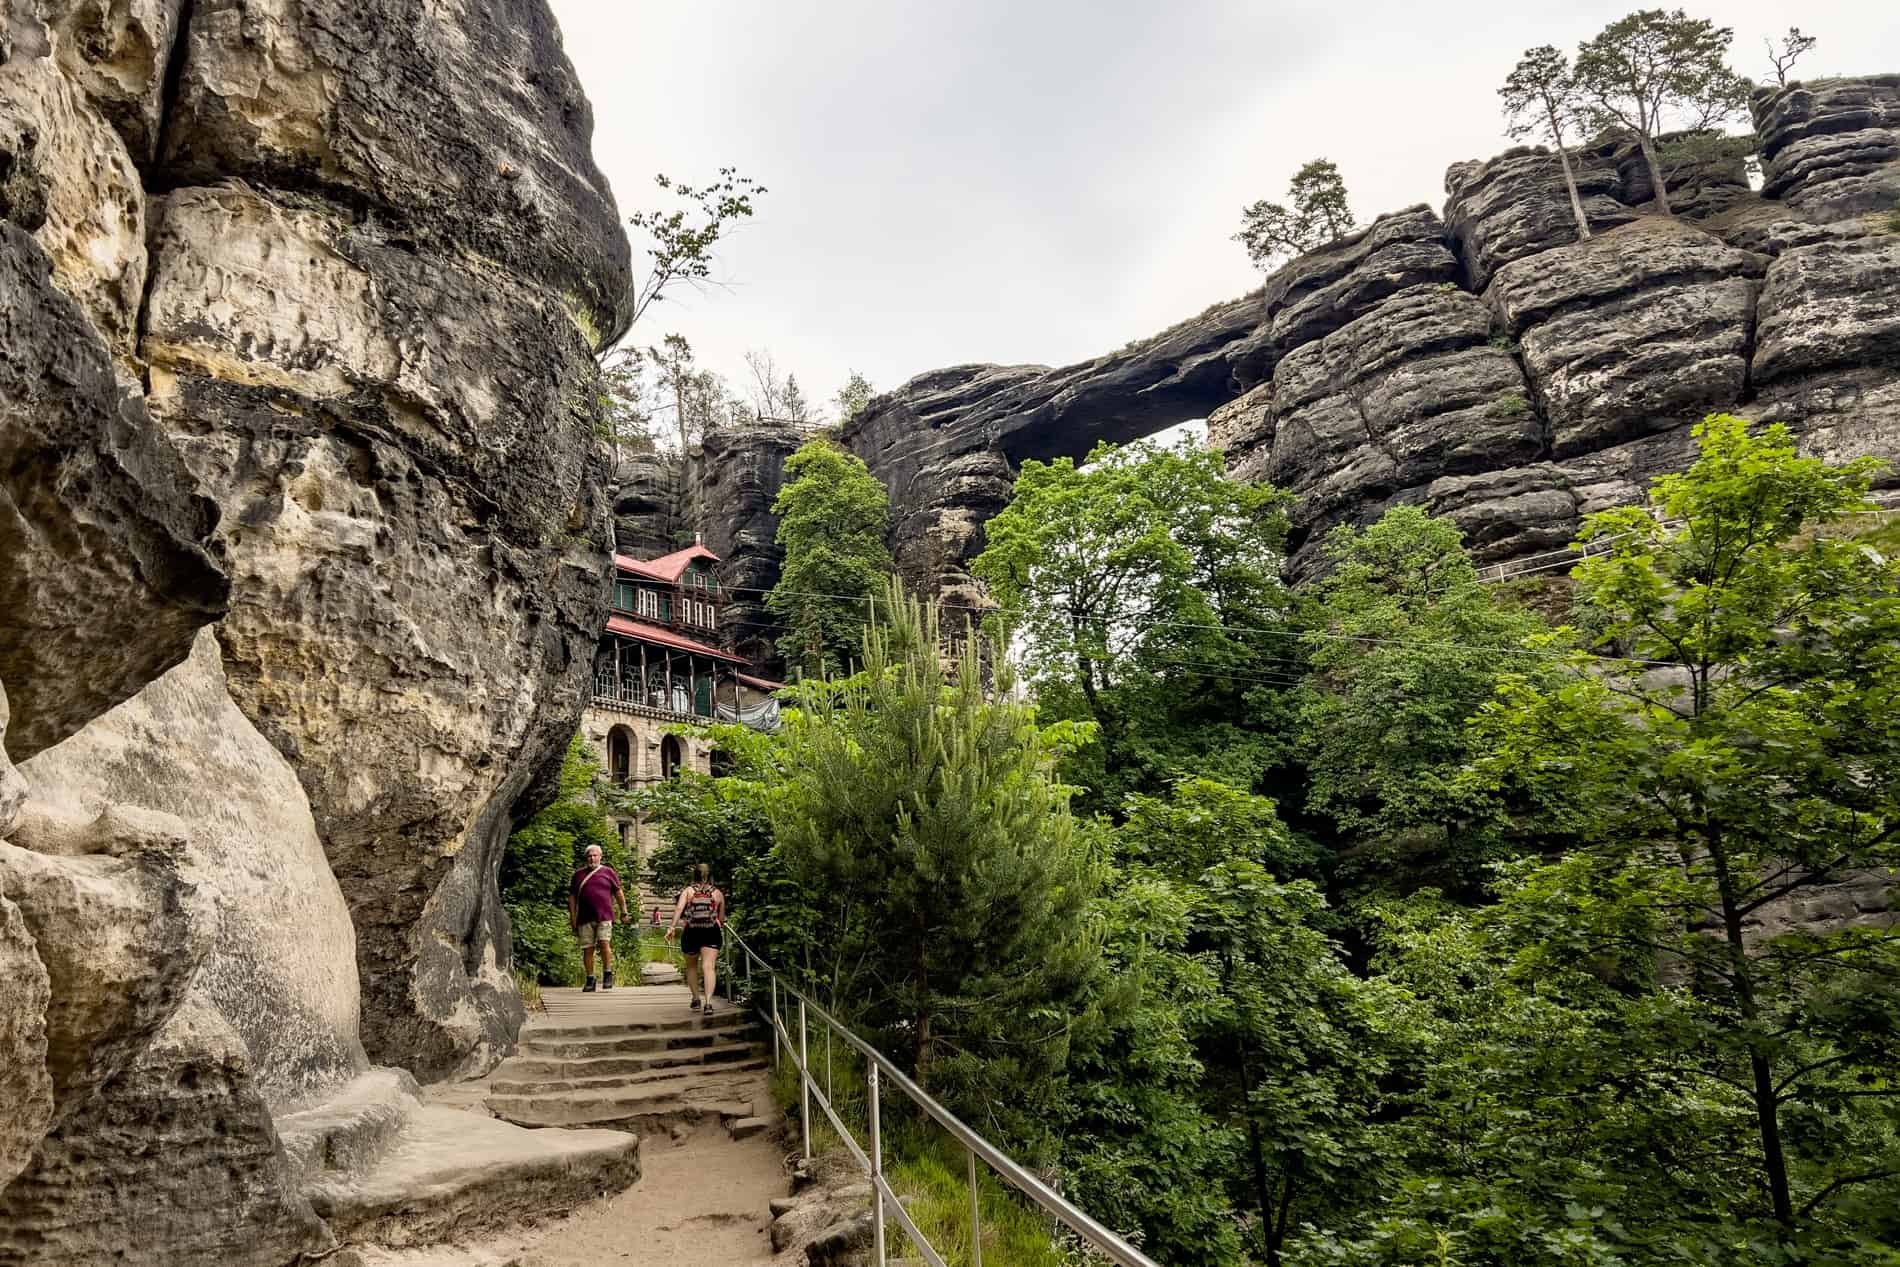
1743, 757
625, 418
682, 237
1143, 590
1271, 231
925, 806
698, 398
1405, 644
853, 396
1794, 46
539, 865
833, 519
1657, 71
1540, 100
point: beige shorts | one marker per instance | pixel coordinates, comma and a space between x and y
601, 934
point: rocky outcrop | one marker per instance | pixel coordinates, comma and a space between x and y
107, 559
1489, 366
648, 502
736, 477
1831, 149
297, 303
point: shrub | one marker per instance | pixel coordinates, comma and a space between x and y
1509, 405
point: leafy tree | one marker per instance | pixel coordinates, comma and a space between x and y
1794, 46
1657, 71
720, 820
1320, 214
1744, 756
776, 398
1540, 100
1143, 589
698, 397
853, 396
833, 519
925, 806
539, 864
1405, 645
683, 237
626, 422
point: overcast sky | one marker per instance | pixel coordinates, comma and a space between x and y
1044, 180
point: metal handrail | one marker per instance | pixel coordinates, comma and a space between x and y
878, 1068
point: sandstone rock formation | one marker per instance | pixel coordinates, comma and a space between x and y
1487, 365
736, 476
296, 305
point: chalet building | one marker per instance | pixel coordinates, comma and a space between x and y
661, 663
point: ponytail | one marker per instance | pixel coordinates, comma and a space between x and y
702, 873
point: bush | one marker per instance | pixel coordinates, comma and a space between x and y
1509, 405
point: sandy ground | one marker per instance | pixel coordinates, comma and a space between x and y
700, 1201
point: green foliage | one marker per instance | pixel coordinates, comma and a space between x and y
1271, 231
1509, 405
1794, 46
539, 866
833, 519
853, 396
1405, 645
924, 807
1541, 101
683, 236
1747, 754
1657, 71
1143, 588
1892, 223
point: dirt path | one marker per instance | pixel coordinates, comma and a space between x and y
700, 1201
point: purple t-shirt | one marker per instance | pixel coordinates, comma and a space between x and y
594, 894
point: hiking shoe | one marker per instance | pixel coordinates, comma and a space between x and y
708, 1009
607, 980
589, 987
694, 1005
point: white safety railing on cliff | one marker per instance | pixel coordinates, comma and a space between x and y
879, 1072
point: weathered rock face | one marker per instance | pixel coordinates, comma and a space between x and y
736, 477
1831, 149
648, 504
1489, 366
103, 537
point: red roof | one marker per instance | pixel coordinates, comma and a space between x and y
763, 684
666, 638
667, 567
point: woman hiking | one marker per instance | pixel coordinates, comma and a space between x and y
704, 909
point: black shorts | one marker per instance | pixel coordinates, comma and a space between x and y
694, 940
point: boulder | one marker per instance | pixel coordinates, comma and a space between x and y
1638, 330
1831, 148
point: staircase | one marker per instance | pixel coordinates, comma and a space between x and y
633, 1058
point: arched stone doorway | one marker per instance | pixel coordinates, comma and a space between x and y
670, 756
620, 754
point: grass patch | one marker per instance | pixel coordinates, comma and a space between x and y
1509, 405
925, 1166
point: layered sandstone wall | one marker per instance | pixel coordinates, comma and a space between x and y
303, 540
1486, 363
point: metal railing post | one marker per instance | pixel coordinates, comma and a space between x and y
777, 1059
877, 1169
976, 1216
804, 1082
830, 1095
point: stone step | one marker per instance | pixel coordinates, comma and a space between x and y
450, 1174
723, 1017
600, 1066
519, 1086
699, 1094
350, 1130
627, 1045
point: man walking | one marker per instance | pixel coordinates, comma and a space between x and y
591, 902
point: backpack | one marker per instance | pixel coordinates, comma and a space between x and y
700, 908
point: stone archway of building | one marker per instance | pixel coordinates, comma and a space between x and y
670, 756
620, 754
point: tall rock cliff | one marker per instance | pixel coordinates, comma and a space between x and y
303, 541
1486, 363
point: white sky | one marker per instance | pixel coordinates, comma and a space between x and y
1044, 180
